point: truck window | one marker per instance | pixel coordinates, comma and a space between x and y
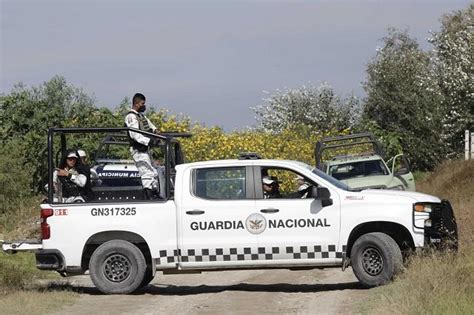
358, 169
284, 183
220, 183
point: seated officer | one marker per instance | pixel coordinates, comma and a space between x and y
303, 186
270, 187
69, 180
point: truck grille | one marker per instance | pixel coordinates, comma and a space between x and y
443, 231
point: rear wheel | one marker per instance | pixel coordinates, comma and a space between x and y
117, 267
376, 258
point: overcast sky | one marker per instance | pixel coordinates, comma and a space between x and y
210, 60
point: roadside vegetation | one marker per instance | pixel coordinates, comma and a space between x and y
436, 283
21, 292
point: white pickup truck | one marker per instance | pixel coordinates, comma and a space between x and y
216, 216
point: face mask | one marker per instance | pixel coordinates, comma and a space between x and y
142, 109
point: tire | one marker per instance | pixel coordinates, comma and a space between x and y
117, 267
376, 258
148, 277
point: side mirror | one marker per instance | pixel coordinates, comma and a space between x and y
323, 194
402, 171
400, 165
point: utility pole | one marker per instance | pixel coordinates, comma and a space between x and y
468, 145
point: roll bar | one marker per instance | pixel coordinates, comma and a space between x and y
168, 137
332, 143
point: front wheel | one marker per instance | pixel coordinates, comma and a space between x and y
117, 267
376, 258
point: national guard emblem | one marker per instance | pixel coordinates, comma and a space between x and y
256, 223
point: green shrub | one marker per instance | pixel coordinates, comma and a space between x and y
17, 272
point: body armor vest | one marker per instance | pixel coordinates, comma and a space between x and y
142, 125
69, 189
143, 122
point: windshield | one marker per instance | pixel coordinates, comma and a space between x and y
358, 169
330, 179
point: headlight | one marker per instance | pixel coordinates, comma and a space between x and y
420, 207
399, 187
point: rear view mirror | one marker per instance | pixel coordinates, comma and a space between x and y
323, 194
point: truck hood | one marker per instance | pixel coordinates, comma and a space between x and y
418, 197
375, 181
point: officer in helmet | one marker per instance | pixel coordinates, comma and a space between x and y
140, 145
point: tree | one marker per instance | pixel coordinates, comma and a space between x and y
319, 108
403, 99
26, 114
455, 76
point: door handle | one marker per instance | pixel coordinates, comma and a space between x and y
269, 210
195, 212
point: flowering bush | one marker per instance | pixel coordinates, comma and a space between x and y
213, 143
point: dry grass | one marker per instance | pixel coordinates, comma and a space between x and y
35, 301
20, 290
454, 180
21, 220
22, 293
437, 283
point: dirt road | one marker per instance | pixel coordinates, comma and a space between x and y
327, 291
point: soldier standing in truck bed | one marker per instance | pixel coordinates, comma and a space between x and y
140, 144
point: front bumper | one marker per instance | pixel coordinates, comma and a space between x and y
443, 232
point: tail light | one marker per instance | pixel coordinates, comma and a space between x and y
45, 229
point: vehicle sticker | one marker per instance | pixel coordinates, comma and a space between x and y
354, 198
114, 211
59, 212
257, 224
217, 225
209, 254
131, 174
297, 223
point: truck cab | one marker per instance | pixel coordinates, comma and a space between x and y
357, 160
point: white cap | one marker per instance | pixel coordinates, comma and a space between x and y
82, 153
267, 180
298, 177
72, 155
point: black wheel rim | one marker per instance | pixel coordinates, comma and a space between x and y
117, 268
372, 261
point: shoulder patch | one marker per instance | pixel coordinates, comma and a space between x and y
130, 119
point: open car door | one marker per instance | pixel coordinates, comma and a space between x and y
401, 170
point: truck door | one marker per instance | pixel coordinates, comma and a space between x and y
213, 216
401, 170
299, 230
